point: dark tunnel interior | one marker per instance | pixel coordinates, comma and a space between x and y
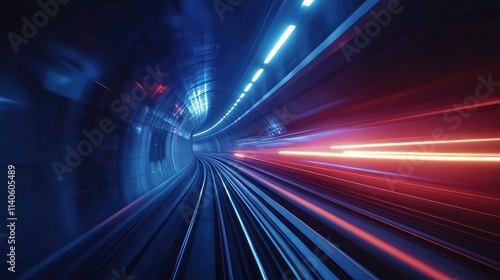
250, 139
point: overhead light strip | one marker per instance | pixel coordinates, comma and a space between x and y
257, 75
249, 86
259, 72
341, 29
280, 43
307, 3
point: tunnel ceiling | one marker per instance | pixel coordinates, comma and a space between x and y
203, 45
206, 50
210, 48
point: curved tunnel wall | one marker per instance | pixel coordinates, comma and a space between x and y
146, 130
92, 129
100, 147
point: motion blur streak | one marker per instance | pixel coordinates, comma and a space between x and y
397, 155
384, 246
440, 112
415, 143
251, 139
419, 154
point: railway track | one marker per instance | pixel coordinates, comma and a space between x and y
226, 219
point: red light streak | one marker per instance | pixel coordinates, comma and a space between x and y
414, 143
368, 186
369, 155
397, 253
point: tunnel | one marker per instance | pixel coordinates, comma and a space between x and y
250, 139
